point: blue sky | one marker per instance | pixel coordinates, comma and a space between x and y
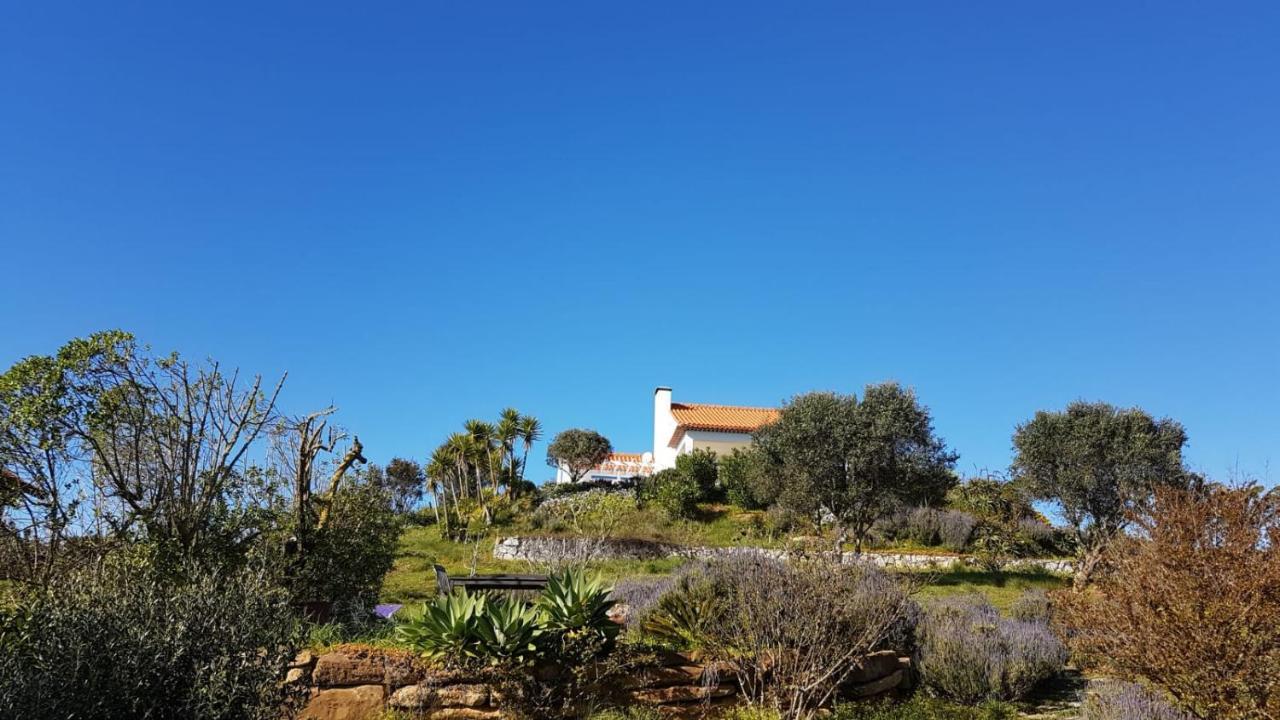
425, 212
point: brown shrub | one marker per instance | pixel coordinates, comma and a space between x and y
1191, 603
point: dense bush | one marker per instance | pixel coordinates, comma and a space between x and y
1189, 603
700, 467
967, 652
1113, 700
955, 529
125, 640
346, 561
741, 477
795, 630
672, 491
922, 526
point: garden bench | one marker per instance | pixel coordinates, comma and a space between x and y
446, 584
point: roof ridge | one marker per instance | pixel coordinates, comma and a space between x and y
731, 407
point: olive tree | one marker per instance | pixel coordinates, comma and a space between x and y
851, 460
578, 451
1100, 464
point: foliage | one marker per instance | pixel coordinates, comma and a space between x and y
1189, 603
473, 467
682, 615
578, 451
967, 652
1100, 464
123, 639
795, 631
405, 481
347, 559
920, 707
575, 604
1112, 700
855, 459
700, 467
1033, 605
156, 446
640, 594
467, 628
741, 475
674, 492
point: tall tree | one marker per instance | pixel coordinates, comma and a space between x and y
405, 480
578, 451
851, 461
530, 431
1100, 464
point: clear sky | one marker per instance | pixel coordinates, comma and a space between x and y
427, 211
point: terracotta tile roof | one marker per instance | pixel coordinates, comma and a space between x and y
725, 418
625, 463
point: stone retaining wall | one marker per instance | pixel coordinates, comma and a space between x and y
360, 682
558, 549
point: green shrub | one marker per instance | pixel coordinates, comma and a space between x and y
124, 640
1033, 605
681, 616
673, 492
345, 562
740, 475
700, 468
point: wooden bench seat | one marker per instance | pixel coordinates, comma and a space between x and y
445, 584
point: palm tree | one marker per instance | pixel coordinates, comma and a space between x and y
530, 431
507, 432
483, 434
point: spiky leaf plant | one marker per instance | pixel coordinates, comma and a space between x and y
575, 604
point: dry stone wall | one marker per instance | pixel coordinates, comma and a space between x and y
361, 683
558, 549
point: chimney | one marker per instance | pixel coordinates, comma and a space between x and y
664, 426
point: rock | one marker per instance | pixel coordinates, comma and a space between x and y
341, 670
681, 694
420, 696
295, 675
875, 687
356, 703
366, 666
873, 667
306, 658
659, 677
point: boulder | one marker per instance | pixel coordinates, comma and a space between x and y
420, 696
355, 703
658, 677
874, 666
338, 669
875, 687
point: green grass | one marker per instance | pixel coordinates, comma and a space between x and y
1000, 588
413, 578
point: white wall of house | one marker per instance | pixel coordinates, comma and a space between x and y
721, 442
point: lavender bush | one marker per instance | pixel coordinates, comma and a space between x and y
641, 594
955, 529
923, 526
1114, 700
967, 652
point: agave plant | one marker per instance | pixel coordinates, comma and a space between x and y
572, 602
509, 631
448, 628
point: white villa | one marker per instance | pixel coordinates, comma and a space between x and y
679, 428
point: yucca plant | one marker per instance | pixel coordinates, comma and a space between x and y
574, 603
